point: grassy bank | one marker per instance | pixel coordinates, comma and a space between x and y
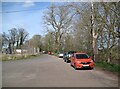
16, 57
56, 54
107, 66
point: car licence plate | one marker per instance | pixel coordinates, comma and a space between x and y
85, 65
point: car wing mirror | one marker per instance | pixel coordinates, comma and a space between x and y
90, 57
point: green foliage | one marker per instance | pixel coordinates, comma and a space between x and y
114, 56
108, 66
49, 42
36, 41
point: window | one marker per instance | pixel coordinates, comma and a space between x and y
82, 56
72, 55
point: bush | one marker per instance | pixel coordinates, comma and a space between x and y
108, 66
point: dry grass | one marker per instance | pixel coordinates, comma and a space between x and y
7, 57
0, 56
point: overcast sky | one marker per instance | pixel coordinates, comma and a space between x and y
31, 20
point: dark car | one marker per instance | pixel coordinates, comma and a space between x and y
65, 56
68, 55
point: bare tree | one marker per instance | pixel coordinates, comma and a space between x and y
22, 36
14, 39
108, 36
103, 25
6, 42
82, 26
13, 35
58, 18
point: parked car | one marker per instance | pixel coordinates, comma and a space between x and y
68, 56
50, 53
44, 52
65, 56
61, 55
81, 60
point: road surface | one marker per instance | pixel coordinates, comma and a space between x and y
50, 71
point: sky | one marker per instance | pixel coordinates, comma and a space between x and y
31, 20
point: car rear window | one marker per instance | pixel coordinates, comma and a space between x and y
81, 56
71, 52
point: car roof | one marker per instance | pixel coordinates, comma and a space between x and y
71, 52
80, 53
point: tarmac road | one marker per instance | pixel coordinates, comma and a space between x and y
50, 71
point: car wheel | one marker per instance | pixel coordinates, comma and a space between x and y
66, 61
75, 67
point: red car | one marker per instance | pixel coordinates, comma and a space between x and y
81, 60
50, 53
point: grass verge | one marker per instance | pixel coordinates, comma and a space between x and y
56, 54
17, 57
109, 67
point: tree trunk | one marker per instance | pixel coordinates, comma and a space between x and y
9, 47
17, 46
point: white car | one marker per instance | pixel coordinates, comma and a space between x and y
61, 55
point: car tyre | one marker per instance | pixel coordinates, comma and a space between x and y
66, 61
63, 59
75, 67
